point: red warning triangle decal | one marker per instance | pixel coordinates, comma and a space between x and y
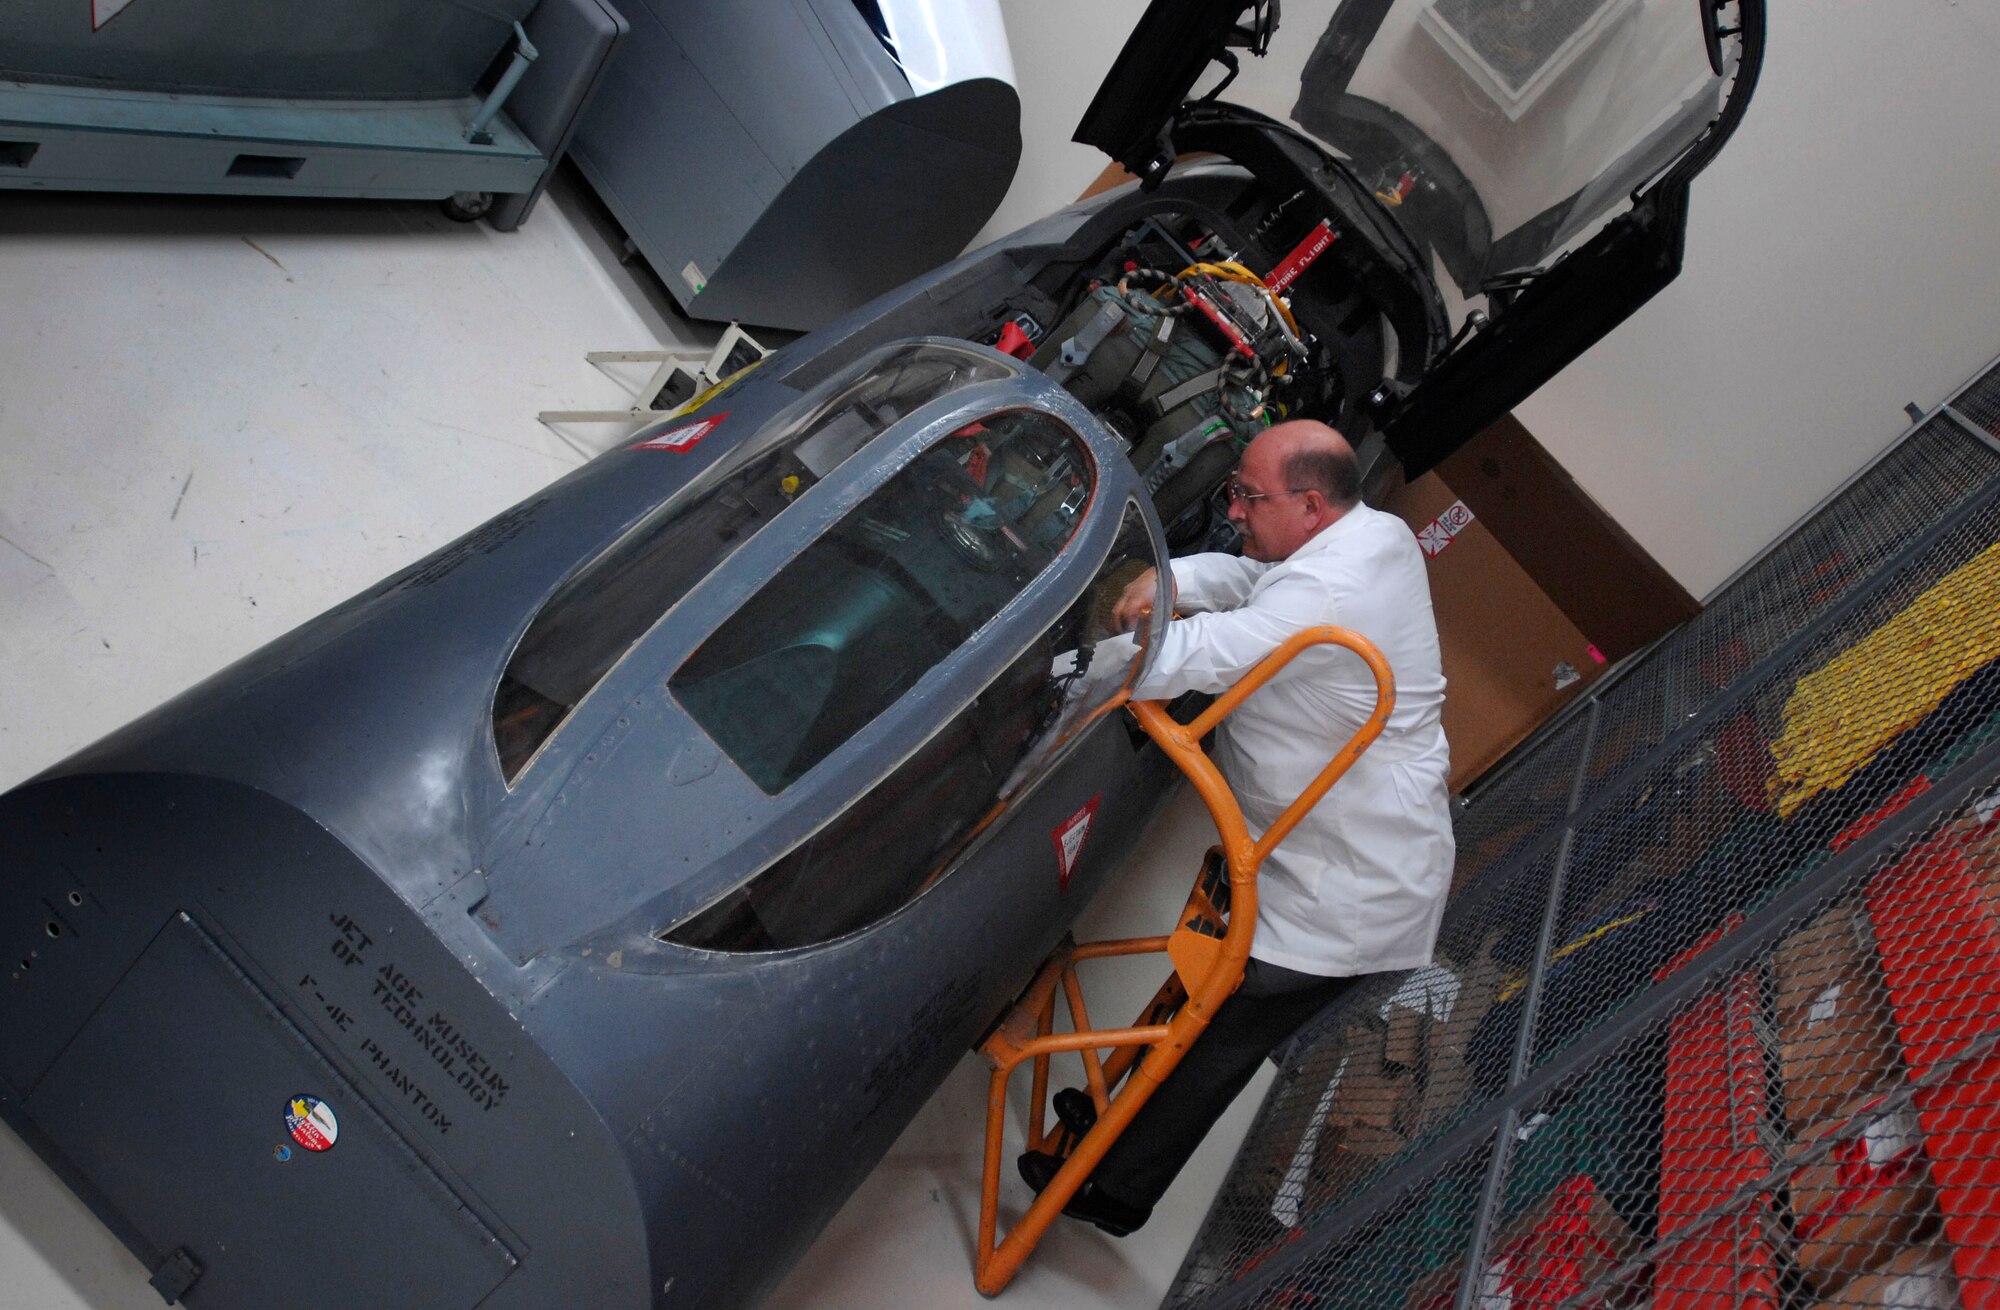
1069, 836
683, 437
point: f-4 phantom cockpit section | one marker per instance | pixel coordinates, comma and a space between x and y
575, 917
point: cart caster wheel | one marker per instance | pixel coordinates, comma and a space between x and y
467, 206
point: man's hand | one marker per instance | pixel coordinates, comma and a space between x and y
1135, 603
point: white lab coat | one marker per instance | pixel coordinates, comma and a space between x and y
1359, 885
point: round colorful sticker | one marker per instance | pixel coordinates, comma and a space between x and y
312, 1123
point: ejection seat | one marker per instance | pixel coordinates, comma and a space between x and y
1207, 950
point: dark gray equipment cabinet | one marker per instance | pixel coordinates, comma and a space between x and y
390, 99
780, 162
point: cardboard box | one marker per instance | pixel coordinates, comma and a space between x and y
1850, 1055
1407, 1042
1372, 1143
1593, 570
1447, 1073
1917, 1278
1502, 639
1821, 952
1325, 1163
1863, 1198
1372, 1094
1418, 1013
1350, 1156
1428, 1022
1535, 588
1836, 1033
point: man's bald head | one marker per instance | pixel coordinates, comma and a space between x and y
1296, 479
1317, 456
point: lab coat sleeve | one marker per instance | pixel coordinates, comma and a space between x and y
1204, 583
1211, 652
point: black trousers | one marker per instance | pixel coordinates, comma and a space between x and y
1271, 1005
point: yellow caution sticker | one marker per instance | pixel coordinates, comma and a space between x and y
717, 389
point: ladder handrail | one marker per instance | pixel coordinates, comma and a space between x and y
1185, 748
996, 1264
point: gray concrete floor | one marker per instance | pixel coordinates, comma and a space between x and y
220, 417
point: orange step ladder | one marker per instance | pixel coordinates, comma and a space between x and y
1208, 952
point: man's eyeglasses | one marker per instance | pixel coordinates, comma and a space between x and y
1234, 486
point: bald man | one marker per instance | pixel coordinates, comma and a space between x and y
1358, 887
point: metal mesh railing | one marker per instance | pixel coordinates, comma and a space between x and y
1891, 693
1979, 403
1407, 1249
1884, 517
1396, 1066
1928, 475
1806, 1113
1720, 973
1523, 807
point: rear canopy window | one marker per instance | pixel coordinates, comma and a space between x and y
886, 594
596, 616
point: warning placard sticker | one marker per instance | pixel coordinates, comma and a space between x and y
1302, 257
1439, 532
103, 11
312, 1123
1069, 837
685, 436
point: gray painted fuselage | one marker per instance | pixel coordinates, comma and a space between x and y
308, 877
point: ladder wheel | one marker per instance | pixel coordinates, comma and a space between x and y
467, 206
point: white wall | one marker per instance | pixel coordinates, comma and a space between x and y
1843, 258
1062, 49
